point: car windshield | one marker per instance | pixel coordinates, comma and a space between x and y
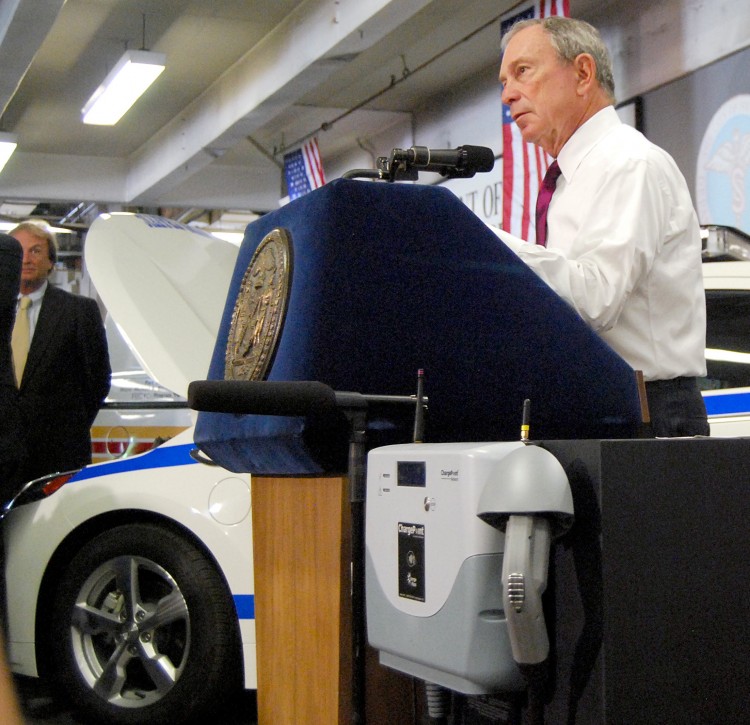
727, 339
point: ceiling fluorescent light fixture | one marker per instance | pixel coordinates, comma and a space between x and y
123, 86
8, 143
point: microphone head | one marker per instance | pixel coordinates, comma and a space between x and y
478, 159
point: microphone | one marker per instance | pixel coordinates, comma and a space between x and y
289, 398
241, 397
463, 162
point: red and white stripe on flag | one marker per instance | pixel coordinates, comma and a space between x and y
313, 163
524, 164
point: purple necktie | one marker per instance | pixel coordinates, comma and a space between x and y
543, 200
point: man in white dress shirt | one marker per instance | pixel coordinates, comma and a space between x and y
623, 241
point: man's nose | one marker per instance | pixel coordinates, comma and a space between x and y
508, 93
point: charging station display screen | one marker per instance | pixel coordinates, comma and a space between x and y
411, 473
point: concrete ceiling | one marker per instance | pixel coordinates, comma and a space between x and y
245, 80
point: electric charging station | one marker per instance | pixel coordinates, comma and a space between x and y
456, 552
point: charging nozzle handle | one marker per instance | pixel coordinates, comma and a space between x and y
525, 562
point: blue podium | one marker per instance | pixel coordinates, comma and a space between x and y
387, 279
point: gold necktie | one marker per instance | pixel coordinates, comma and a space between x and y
20, 340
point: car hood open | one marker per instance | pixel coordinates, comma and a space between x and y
165, 284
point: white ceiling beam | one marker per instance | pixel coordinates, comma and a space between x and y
57, 177
24, 25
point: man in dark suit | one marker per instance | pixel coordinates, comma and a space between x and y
66, 374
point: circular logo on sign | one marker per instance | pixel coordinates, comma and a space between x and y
260, 309
723, 173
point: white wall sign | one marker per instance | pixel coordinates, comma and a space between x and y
483, 193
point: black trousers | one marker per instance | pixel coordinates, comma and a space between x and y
676, 407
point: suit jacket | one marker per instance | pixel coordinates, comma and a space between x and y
66, 378
11, 438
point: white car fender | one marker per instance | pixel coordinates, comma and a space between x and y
212, 503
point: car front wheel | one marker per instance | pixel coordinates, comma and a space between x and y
143, 629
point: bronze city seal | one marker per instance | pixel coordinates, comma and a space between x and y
259, 311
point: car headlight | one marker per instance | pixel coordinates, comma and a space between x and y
38, 489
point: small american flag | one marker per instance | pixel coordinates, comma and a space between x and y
524, 164
303, 169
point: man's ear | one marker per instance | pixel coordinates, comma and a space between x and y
585, 68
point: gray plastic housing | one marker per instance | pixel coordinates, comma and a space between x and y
464, 647
434, 568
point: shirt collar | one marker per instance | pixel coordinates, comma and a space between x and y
37, 294
585, 138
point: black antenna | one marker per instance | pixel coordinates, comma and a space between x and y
525, 418
419, 412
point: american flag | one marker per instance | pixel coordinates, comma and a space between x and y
524, 164
303, 169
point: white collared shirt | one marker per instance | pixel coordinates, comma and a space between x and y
624, 248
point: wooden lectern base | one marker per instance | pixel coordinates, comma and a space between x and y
302, 557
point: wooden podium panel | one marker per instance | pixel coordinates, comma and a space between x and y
302, 550
303, 620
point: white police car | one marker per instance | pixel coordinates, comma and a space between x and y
130, 582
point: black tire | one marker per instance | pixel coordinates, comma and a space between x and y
143, 630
